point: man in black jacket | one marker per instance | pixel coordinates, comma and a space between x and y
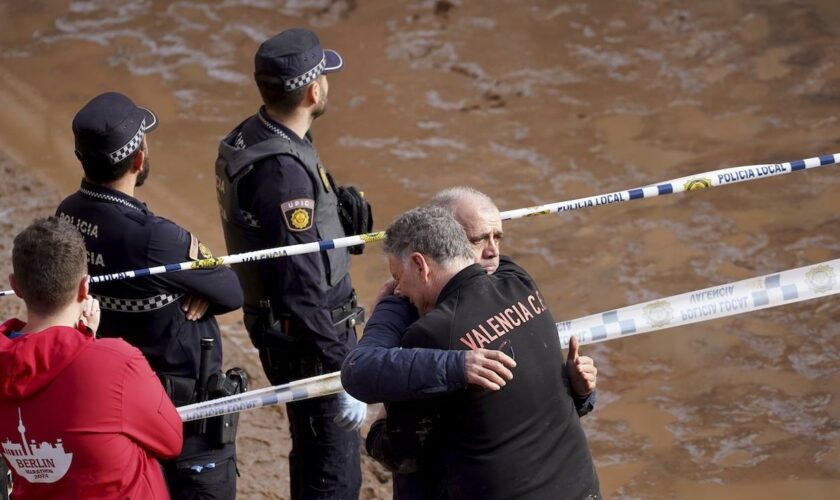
522, 440
166, 316
377, 370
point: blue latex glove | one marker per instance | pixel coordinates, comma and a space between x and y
351, 412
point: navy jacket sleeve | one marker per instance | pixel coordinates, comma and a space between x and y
401, 440
299, 276
379, 370
169, 243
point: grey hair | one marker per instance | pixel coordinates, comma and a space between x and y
448, 198
430, 231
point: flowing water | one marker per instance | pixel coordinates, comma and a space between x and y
531, 102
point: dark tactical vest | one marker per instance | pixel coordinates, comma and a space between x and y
242, 234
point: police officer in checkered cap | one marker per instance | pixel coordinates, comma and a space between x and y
167, 315
300, 311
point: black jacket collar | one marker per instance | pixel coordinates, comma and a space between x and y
463, 276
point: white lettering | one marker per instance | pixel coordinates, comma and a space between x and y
95, 259
84, 227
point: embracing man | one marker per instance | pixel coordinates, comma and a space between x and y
523, 440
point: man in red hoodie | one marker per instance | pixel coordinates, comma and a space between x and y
79, 417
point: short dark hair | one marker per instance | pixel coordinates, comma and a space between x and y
99, 169
48, 259
276, 98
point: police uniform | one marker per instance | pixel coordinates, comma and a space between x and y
300, 310
523, 441
287, 199
122, 234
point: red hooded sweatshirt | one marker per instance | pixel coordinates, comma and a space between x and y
82, 417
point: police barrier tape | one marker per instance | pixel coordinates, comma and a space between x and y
269, 253
690, 183
314, 387
786, 287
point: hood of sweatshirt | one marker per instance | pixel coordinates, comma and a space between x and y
32, 361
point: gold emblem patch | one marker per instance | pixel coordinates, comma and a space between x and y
298, 213
204, 252
198, 250
300, 219
541, 212
698, 184
371, 237
207, 263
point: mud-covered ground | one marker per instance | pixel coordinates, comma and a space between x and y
531, 101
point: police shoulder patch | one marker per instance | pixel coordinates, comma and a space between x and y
198, 250
298, 214
204, 252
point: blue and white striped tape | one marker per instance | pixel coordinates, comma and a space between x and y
689, 183
694, 182
787, 287
314, 387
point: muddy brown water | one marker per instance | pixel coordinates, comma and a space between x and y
531, 102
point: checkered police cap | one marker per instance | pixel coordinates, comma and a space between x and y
294, 58
111, 125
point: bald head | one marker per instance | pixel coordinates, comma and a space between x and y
479, 217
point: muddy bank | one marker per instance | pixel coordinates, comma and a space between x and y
531, 102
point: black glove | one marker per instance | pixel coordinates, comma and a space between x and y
355, 213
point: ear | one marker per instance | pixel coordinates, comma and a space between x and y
13, 283
313, 92
137, 165
83, 291
420, 266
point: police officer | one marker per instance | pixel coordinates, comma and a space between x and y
300, 311
166, 316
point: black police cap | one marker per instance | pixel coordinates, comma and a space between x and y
294, 58
111, 125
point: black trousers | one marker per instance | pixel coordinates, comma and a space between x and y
203, 471
324, 461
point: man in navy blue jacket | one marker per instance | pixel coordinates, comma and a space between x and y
469, 443
379, 370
